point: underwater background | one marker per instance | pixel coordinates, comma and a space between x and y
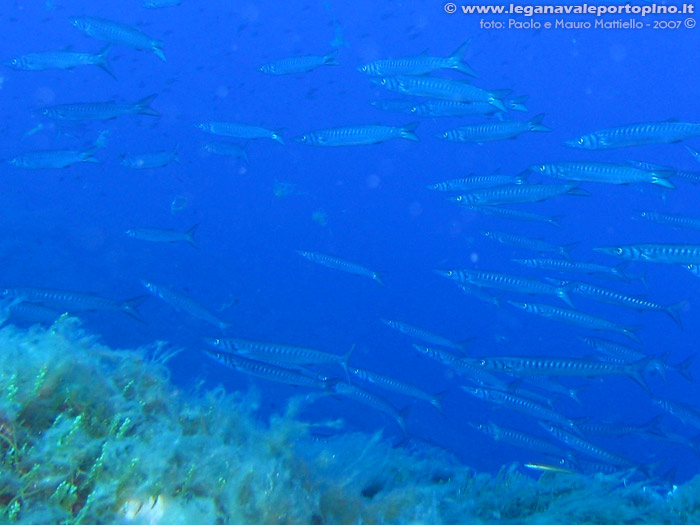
341, 460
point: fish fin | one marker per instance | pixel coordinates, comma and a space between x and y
555, 220
536, 123
520, 178
378, 276
564, 296
331, 59
631, 332
578, 191
88, 155
277, 136
436, 401
458, 59
345, 360
143, 106
517, 103
129, 307
637, 368
103, 63
683, 368
660, 178
564, 250
659, 365
674, 312
620, 271
496, 102
156, 47
189, 235
407, 131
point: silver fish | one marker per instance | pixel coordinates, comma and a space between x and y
420, 333
52, 159
299, 64
165, 236
394, 385
442, 88
374, 401
658, 253
511, 214
100, 110
118, 33
358, 135
528, 243
420, 64
451, 108
637, 135
61, 60
490, 131
184, 304
576, 318
473, 182
517, 193
561, 265
603, 172
581, 445
337, 263
240, 131
671, 219
226, 149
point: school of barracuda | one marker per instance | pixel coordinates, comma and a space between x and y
527, 384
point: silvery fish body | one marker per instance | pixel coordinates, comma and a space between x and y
358, 135
442, 88
61, 60
226, 149
240, 131
300, 64
52, 159
491, 131
516, 193
419, 64
637, 135
100, 110
659, 253
474, 182
158, 159
603, 172
118, 33
184, 304
337, 263
164, 236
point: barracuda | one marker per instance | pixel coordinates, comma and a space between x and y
100, 110
394, 385
240, 131
61, 60
300, 64
581, 445
337, 263
510, 214
552, 366
490, 131
420, 64
52, 159
576, 318
512, 194
184, 304
420, 333
358, 135
528, 243
658, 253
561, 265
671, 219
117, 33
442, 88
473, 182
602, 172
502, 281
637, 135
164, 236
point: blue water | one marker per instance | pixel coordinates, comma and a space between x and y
64, 228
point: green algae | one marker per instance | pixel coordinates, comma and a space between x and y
92, 435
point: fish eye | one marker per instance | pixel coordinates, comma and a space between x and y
690, 266
643, 214
459, 198
482, 362
414, 109
449, 273
383, 82
618, 251
580, 141
543, 168
217, 341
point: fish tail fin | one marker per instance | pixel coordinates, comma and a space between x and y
517, 103
693, 152
536, 123
378, 276
345, 360
223, 326
674, 312
563, 294
436, 401
555, 220
189, 235
129, 307
631, 332
621, 271
176, 153
407, 131
143, 106
497, 103
660, 178
580, 192
157, 48
277, 136
652, 426
522, 177
103, 62
659, 365
636, 370
683, 368
458, 59
89, 155
564, 250
331, 59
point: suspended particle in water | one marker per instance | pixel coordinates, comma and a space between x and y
320, 217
